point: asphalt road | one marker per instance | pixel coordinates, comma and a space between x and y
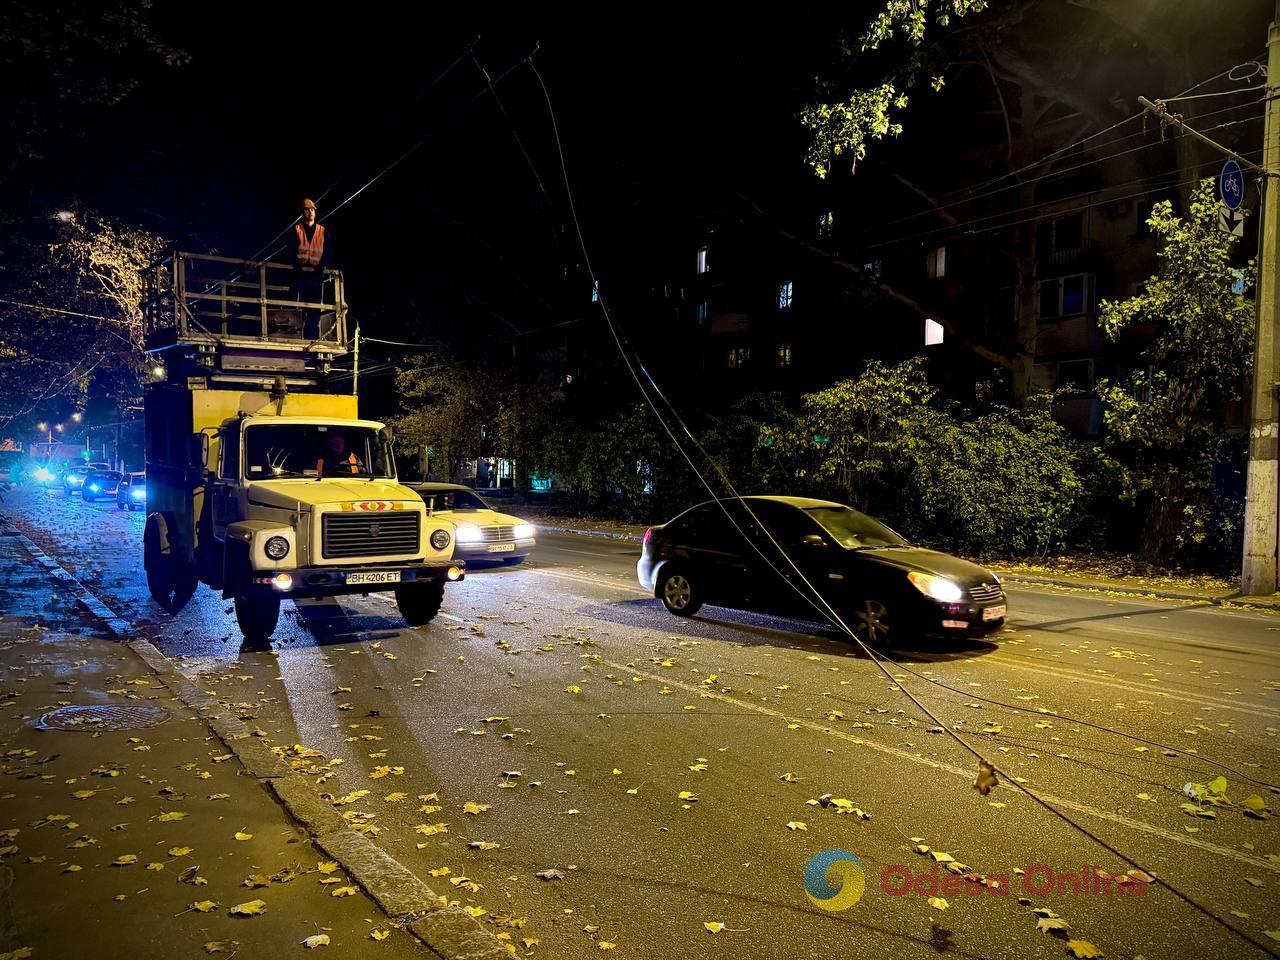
571, 711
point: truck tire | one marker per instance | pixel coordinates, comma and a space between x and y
420, 602
257, 613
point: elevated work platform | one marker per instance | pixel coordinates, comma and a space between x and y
236, 323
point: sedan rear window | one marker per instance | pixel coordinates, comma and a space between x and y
852, 529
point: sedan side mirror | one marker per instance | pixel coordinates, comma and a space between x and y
813, 540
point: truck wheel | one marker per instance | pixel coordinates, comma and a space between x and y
420, 602
257, 613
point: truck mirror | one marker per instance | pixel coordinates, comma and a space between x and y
386, 434
199, 453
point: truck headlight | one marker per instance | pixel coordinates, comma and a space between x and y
938, 588
277, 548
440, 539
469, 533
524, 531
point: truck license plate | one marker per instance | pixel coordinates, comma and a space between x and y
994, 613
375, 576
502, 547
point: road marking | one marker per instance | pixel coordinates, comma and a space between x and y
967, 774
1252, 709
594, 581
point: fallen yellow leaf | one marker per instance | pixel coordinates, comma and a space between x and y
252, 908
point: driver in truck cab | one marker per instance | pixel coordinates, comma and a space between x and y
338, 460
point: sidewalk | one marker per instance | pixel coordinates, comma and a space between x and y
120, 840
1192, 589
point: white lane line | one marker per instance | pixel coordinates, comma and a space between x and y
1115, 683
899, 754
594, 581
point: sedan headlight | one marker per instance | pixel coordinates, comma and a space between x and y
440, 539
43, 475
469, 533
138, 492
939, 588
524, 531
277, 548
94, 488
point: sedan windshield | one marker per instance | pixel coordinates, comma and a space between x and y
452, 500
314, 449
855, 530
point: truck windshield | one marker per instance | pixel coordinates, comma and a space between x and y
314, 449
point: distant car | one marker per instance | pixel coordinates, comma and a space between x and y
100, 483
886, 590
73, 476
131, 493
480, 532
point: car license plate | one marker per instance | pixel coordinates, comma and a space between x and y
375, 576
994, 613
502, 548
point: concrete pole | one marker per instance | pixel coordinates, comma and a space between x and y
1258, 572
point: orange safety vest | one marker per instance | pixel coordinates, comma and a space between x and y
310, 251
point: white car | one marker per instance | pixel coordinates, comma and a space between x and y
480, 532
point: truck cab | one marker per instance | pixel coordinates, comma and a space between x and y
263, 482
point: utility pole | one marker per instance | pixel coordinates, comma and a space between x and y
355, 377
1258, 572
1262, 498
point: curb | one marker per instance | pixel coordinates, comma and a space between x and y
1229, 600
449, 932
609, 534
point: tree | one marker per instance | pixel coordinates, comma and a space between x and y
1165, 425
87, 327
1051, 73
447, 410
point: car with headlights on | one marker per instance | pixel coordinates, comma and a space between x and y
100, 484
480, 532
131, 494
888, 591
74, 477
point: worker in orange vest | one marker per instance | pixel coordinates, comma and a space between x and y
311, 250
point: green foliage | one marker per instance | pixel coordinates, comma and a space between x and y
844, 128
1165, 431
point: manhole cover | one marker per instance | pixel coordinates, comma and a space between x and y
104, 717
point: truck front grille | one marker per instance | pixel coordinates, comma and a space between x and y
362, 535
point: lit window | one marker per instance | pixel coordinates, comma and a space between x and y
595, 292
936, 263
702, 260
700, 313
739, 357
784, 355
826, 220
934, 333
784, 295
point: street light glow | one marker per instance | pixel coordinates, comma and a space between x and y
77, 416
158, 372
42, 426
66, 216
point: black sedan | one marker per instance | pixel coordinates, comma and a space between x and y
100, 483
885, 589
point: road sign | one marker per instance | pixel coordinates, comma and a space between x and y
1231, 185
1230, 222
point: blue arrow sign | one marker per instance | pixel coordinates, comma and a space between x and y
1231, 185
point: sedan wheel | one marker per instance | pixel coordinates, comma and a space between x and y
872, 623
679, 595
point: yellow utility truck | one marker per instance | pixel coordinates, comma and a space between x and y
262, 480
